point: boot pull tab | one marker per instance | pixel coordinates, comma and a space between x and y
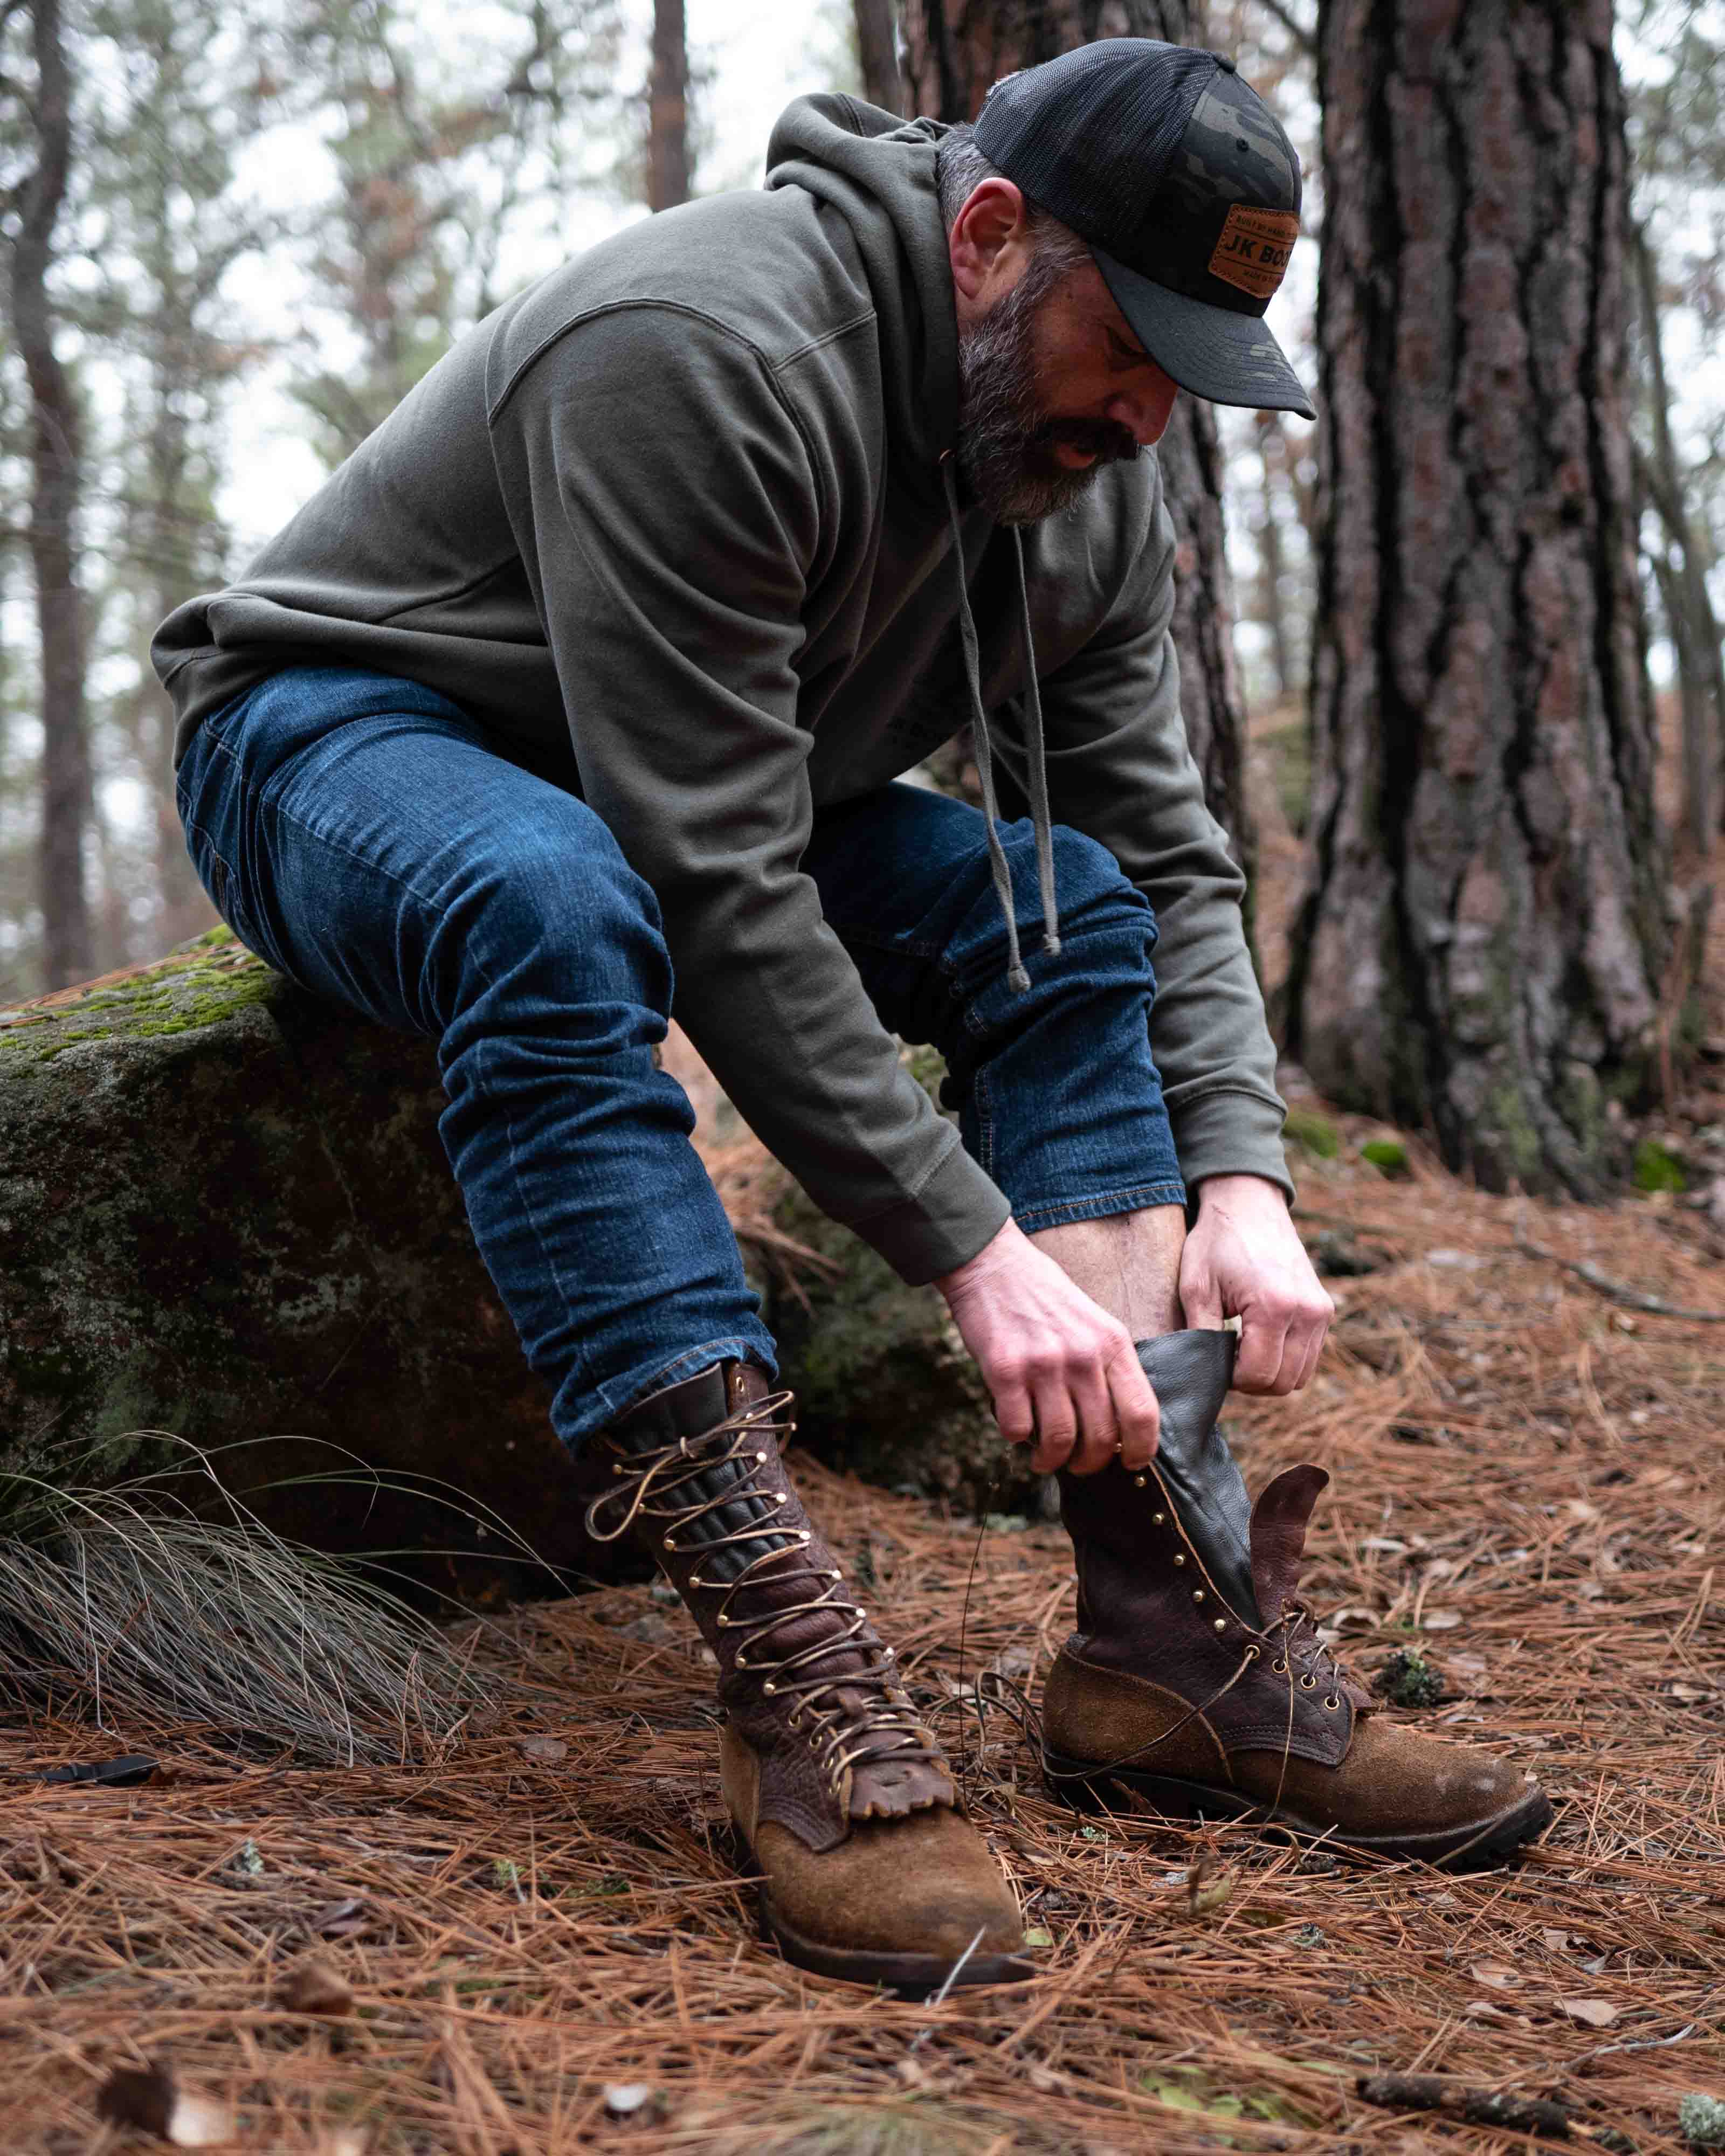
1278, 1535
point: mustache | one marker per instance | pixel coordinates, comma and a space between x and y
1106, 440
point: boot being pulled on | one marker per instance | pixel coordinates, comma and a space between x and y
1196, 1685
870, 1869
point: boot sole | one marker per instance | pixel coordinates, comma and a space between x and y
910, 1975
1085, 1785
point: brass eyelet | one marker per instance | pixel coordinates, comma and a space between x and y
760, 1459
769, 1686
805, 1534
1252, 1653
1308, 1682
1331, 1702
1198, 1594
1157, 1518
1139, 1481
1221, 1623
669, 1543
1180, 1557
1280, 1667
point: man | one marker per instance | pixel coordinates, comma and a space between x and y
597, 660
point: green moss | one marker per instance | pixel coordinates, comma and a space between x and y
189, 990
1408, 1679
1389, 1156
1313, 1133
1657, 1168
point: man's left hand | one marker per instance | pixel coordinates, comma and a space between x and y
1244, 1259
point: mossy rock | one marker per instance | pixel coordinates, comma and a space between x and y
1313, 1133
1657, 1168
884, 1386
226, 1217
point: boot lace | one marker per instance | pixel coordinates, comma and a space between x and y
856, 1712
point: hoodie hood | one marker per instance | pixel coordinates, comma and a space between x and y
877, 171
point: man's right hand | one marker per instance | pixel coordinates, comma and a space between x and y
1063, 1374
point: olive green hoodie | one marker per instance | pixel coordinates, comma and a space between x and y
680, 508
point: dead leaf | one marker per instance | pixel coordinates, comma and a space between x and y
1497, 1974
1597, 2012
1204, 1894
1482, 2009
313, 1987
547, 1751
1556, 1941
1440, 1620
345, 2140
1042, 2080
340, 1920
150, 2099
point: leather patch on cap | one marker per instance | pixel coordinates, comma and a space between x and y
1254, 249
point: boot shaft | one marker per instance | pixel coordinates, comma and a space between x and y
694, 1474
1183, 1583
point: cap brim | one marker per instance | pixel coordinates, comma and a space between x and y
1225, 358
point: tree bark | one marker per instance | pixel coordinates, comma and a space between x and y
668, 173
1485, 943
56, 484
877, 50
953, 50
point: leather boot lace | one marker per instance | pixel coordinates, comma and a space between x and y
842, 1686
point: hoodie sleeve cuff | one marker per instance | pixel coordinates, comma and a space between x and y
958, 1210
1232, 1134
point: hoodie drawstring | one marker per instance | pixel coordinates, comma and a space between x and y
1017, 979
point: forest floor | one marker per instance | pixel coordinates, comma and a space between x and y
538, 1939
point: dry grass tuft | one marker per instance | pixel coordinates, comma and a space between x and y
122, 1606
1526, 1487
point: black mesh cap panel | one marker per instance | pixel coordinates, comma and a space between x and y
1091, 134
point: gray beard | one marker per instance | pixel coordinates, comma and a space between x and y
1004, 452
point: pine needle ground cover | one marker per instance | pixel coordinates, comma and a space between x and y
536, 1940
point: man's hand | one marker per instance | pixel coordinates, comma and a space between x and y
1244, 1259
1063, 1373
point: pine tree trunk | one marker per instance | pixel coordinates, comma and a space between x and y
877, 50
56, 483
953, 50
668, 172
1483, 947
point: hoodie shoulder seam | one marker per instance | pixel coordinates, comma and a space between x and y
767, 367
828, 337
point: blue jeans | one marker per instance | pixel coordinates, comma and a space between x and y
379, 847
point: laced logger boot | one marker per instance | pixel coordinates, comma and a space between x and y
871, 1870
1195, 1685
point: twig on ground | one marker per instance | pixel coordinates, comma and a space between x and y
1518, 2114
1632, 1298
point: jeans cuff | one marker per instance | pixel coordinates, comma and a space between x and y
608, 1401
1097, 1205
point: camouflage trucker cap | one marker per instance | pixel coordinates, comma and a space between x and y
1187, 190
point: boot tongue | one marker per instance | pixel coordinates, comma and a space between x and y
1190, 1373
1278, 1535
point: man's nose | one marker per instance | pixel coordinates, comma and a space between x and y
1143, 410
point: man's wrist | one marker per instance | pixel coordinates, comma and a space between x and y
1218, 1189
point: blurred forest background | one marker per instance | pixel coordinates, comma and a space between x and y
1445, 654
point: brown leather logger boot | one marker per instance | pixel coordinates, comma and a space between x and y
871, 1870
1195, 1685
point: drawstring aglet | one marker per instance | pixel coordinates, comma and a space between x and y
1051, 944
1018, 979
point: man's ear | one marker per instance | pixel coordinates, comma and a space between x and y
987, 243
